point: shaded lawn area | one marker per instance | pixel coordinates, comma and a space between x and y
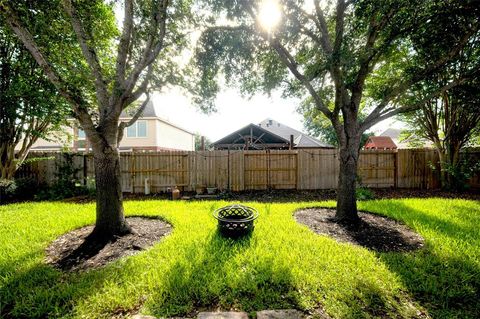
282, 265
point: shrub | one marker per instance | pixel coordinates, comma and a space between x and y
364, 193
7, 188
67, 184
26, 188
458, 175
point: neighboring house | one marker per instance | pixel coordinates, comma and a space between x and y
148, 133
409, 142
269, 134
380, 143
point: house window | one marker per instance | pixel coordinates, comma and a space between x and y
81, 140
81, 134
137, 129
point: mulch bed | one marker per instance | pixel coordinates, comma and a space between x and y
74, 251
375, 232
283, 196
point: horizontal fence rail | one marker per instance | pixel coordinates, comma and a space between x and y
302, 169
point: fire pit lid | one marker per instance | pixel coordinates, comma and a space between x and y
235, 212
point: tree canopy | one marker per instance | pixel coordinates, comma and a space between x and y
343, 57
30, 106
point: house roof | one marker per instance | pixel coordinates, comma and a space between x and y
272, 134
150, 113
394, 133
380, 142
299, 139
264, 137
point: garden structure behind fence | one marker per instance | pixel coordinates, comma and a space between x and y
238, 170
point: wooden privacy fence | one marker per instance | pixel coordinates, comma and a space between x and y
254, 170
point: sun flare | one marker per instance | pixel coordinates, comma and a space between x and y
269, 14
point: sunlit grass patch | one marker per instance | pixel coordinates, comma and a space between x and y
283, 264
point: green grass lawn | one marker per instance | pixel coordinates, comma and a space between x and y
282, 265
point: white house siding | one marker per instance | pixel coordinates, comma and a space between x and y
171, 137
161, 135
149, 141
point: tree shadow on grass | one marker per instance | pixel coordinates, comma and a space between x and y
444, 276
220, 278
41, 291
89, 248
373, 231
44, 292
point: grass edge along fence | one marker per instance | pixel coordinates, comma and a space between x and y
238, 170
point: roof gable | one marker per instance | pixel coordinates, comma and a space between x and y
300, 139
257, 133
380, 142
149, 111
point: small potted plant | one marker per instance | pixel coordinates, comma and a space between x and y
211, 190
199, 189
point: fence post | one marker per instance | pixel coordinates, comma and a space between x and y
132, 173
395, 169
268, 169
228, 170
85, 170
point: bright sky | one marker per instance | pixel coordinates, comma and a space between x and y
234, 112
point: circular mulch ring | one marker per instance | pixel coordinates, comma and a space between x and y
75, 251
375, 232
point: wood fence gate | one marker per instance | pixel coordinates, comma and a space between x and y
378, 168
270, 169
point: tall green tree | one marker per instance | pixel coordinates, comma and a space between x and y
450, 122
101, 70
339, 55
30, 107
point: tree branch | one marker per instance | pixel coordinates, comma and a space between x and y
289, 61
324, 40
124, 43
89, 53
322, 25
367, 58
339, 28
142, 88
136, 116
151, 50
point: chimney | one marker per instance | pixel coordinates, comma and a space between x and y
291, 142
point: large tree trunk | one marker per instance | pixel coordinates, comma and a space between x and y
346, 194
7, 165
110, 220
7, 170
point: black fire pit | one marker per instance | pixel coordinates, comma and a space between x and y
235, 220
